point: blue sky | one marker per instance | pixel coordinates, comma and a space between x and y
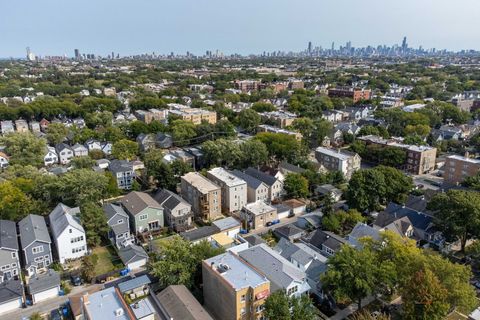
57, 27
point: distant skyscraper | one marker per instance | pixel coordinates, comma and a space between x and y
310, 47
404, 44
77, 54
30, 55
333, 46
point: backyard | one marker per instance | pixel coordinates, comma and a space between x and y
107, 260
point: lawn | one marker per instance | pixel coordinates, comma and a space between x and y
107, 260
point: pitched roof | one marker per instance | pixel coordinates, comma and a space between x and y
111, 210
290, 167
33, 228
362, 230
179, 303
199, 233
132, 253
395, 211
254, 239
134, 283
62, 217
288, 230
135, 202
326, 238
10, 290
42, 282
8, 235
278, 270
120, 166
257, 174
168, 199
251, 181
226, 223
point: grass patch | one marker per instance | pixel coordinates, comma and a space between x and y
455, 316
107, 260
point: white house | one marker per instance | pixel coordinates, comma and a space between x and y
93, 144
107, 148
3, 160
64, 152
79, 150
67, 233
51, 157
233, 188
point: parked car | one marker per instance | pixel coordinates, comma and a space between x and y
76, 280
55, 315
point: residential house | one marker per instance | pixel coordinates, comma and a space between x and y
36, 243
327, 242
177, 302
362, 230
327, 190
356, 94
258, 214
178, 212
308, 259
119, 224
283, 274
199, 234
9, 253
50, 157
105, 304
256, 189
21, 125
11, 295
67, 233
4, 160
312, 220
44, 125
6, 127
92, 144
333, 115
240, 287
275, 186
296, 206
286, 168
145, 213
41, 287
233, 189
267, 128
356, 113
79, 150
133, 256
123, 172
107, 148
64, 152
34, 126
204, 196
340, 160
146, 141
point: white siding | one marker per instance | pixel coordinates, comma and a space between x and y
9, 306
47, 294
64, 245
137, 264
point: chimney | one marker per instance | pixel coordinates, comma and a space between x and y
467, 154
85, 299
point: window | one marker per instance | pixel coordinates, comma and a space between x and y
292, 290
38, 249
70, 230
14, 255
120, 221
14, 265
242, 311
143, 217
242, 298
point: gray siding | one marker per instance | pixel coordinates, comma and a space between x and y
42, 256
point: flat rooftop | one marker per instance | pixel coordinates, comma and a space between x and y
259, 207
200, 182
465, 159
105, 304
235, 271
226, 177
340, 154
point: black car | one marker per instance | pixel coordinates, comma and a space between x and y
76, 280
55, 315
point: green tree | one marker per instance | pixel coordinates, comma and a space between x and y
277, 306
182, 132
254, 153
24, 148
457, 215
125, 149
472, 182
263, 107
303, 308
281, 146
366, 190
14, 204
56, 133
36, 316
249, 120
88, 267
425, 298
84, 162
296, 186
95, 223
80, 186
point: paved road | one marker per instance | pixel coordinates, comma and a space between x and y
46, 306
342, 314
265, 229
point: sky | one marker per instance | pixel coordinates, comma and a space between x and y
57, 27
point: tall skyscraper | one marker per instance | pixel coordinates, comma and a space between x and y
77, 54
404, 44
30, 55
309, 47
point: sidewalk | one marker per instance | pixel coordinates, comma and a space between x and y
342, 314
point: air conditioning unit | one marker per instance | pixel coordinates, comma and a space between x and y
119, 312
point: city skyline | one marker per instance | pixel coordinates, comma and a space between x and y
245, 28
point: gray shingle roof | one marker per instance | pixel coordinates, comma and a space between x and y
135, 202
179, 303
288, 230
199, 233
120, 166
132, 253
134, 283
10, 290
33, 228
251, 181
8, 235
168, 199
328, 239
62, 217
42, 282
226, 223
266, 178
278, 270
111, 210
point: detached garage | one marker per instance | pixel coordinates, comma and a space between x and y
11, 295
133, 257
44, 286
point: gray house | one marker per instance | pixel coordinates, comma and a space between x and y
145, 213
275, 186
123, 172
178, 212
36, 243
119, 223
9, 258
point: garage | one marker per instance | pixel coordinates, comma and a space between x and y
282, 211
133, 256
11, 295
44, 286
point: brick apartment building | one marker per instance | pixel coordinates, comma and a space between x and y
457, 168
356, 94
